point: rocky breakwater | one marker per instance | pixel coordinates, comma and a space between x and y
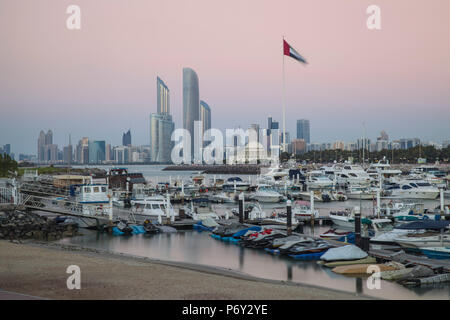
18, 225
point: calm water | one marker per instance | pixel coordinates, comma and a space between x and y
199, 248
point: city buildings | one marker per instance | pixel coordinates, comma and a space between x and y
126, 138
303, 130
191, 103
96, 152
162, 97
161, 126
205, 117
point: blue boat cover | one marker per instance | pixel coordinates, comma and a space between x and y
425, 224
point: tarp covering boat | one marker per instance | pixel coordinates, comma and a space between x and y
349, 252
425, 224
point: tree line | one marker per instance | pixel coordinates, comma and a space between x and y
7, 165
411, 155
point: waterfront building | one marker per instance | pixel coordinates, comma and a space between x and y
126, 138
303, 130
67, 154
161, 128
49, 137
205, 117
41, 144
409, 143
96, 152
298, 146
162, 97
191, 102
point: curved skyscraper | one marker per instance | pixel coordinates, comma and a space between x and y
191, 102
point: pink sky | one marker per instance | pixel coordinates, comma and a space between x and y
101, 80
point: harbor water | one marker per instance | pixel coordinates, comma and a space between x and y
199, 248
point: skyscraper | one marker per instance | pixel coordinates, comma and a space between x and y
96, 151
162, 97
205, 117
191, 102
126, 138
303, 130
161, 126
40, 147
49, 137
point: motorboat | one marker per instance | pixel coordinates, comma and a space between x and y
235, 184
221, 198
201, 209
353, 175
153, 207
431, 238
317, 180
277, 173
346, 218
361, 192
266, 194
302, 209
413, 189
382, 169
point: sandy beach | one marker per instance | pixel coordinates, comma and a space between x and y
39, 270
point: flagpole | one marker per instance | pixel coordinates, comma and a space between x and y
284, 106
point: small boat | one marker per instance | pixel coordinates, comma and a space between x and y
150, 228
265, 193
221, 198
361, 268
302, 209
235, 184
333, 234
122, 228
436, 252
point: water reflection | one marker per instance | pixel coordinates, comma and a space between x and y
199, 248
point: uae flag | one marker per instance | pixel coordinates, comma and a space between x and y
289, 51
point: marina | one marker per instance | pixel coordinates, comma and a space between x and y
172, 218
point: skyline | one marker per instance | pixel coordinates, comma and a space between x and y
394, 79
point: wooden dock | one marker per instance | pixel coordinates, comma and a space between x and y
409, 259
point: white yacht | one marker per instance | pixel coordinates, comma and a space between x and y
92, 200
302, 209
353, 175
413, 189
361, 192
383, 169
266, 193
200, 209
235, 184
153, 207
277, 173
318, 180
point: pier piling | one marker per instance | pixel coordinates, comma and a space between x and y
241, 208
358, 229
289, 217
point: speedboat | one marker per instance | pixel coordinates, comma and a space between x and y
346, 219
353, 174
318, 180
413, 189
221, 198
361, 192
302, 209
153, 207
201, 209
266, 194
235, 184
